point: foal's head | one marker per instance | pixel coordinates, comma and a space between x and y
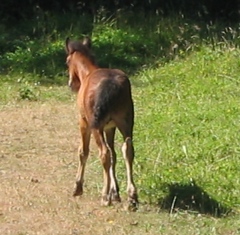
76, 51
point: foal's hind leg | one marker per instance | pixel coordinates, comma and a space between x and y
126, 127
128, 154
105, 156
114, 188
83, 155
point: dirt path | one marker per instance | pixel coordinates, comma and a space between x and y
38, 145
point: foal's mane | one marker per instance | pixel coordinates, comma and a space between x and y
84, 49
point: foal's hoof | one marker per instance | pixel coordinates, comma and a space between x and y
115, 197
106, 201
78, 191
132, 205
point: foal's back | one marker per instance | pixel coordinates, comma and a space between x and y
108, 97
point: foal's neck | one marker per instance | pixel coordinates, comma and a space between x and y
85, 67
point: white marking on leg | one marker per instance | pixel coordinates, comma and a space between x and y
127, 151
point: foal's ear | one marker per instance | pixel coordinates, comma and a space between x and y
87, 42
67, 48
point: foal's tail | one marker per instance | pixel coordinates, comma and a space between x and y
107, 100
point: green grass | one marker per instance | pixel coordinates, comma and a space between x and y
188, 126
185, 78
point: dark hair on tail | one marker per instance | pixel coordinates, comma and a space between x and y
105, 101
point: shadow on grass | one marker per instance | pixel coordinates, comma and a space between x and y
191, 197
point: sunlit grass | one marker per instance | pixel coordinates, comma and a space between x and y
187, 126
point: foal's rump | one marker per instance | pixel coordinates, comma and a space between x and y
112, 96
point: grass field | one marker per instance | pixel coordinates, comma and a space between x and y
39, 141
186, 92
189, 111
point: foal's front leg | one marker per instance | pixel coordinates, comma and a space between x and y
83, 155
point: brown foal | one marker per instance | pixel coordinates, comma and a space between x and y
105, 103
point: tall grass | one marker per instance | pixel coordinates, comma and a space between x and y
130, 41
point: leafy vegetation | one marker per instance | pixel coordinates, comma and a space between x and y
36, 46
185, 77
